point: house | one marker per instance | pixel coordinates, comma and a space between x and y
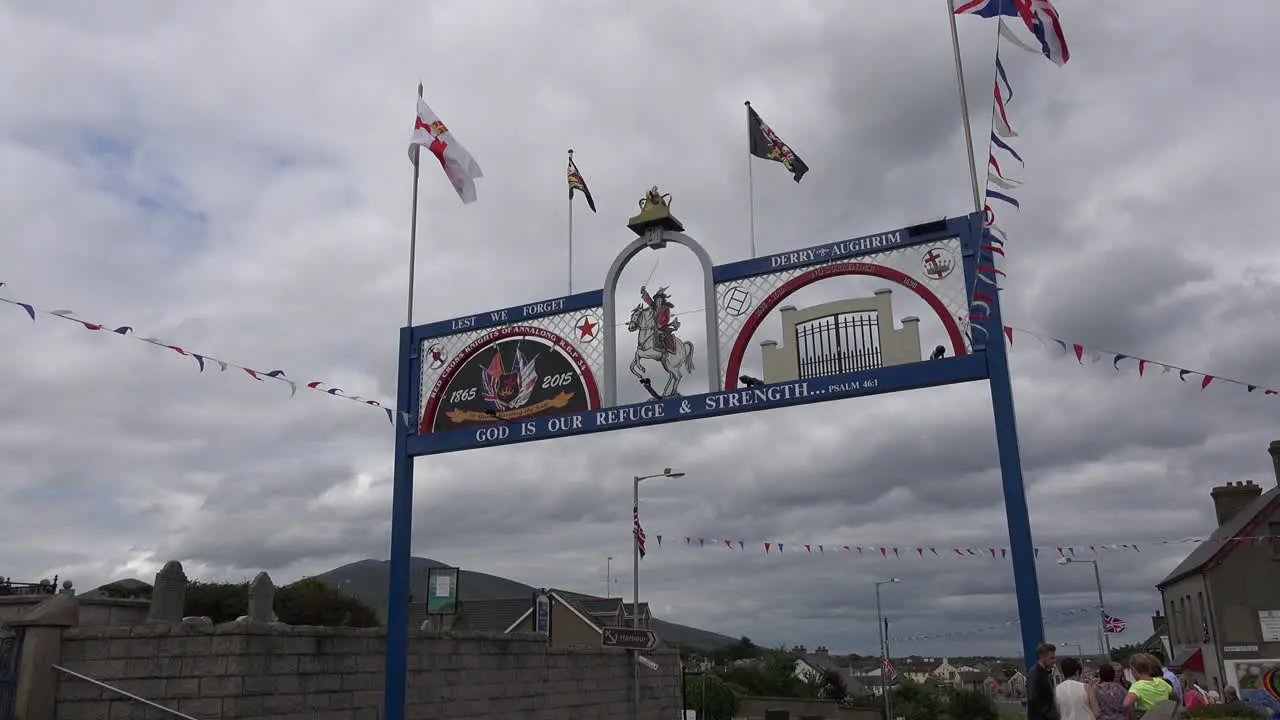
1017, 686
577, 620
1222, 603
931, 669
998, 681
813, 667
972, 680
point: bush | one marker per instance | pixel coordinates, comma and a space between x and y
1224, 712
721, 697
972, 705
306, 602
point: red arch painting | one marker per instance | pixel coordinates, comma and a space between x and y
835, 270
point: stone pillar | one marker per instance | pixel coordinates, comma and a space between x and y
262, 599
36, 695
169, 594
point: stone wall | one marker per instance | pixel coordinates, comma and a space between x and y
256, 671
93, 611
754, 708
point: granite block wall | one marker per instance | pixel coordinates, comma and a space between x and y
240, 671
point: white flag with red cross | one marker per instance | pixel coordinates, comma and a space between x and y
430, 133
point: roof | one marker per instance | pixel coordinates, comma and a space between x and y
491, 615
856, 687
1206, 553
820, 663
972, 676
1155, 640
644, 609
590, 604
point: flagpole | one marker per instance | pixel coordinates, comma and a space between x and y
964, 107
570, 229
751, 189
413, 226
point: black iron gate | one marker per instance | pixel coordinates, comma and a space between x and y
10, 651
837, 344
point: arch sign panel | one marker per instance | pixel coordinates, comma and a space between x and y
546, 369
550, 368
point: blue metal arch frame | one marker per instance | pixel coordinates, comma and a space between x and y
989, 361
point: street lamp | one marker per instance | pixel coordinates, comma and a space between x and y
884, 680
1077, 646
635, 562
1102, 608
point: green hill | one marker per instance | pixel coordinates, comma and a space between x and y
367, 580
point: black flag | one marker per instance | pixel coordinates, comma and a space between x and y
766, 145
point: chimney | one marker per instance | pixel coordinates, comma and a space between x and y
1157, 622
1274, 451
801, 649
821, 651
1230, 499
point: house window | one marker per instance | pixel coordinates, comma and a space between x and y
1171, 621
1187, 611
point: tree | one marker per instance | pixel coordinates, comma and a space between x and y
313, 602
720, 698
914, 701
773, 674
831, 686
305, 602
1121, 654
972, 705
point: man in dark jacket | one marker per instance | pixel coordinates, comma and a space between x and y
1040, 701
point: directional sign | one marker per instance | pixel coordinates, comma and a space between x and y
628, 638
647, 662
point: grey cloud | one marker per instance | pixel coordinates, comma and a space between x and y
261, 212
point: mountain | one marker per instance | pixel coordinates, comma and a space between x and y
367, 580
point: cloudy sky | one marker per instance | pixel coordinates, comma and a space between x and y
233, 179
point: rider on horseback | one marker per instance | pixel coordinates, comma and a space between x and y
666, 325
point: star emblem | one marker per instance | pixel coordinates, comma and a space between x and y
586, 329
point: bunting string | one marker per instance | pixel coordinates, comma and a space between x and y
1042, 20
1084, 355
202, 359
920, 552
1090, 355
949, 634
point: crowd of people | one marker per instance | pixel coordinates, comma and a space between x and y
1150, 691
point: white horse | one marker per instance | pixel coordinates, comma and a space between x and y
677, 363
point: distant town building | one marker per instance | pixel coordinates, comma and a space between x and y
576, 620
1222, 603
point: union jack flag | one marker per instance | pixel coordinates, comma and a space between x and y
639, 531
889, 669
1112, 624
1040, 17
990, 8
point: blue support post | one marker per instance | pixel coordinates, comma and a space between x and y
396, 675
1021, 546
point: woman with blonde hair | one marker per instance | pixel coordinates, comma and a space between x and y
1149, 688
1193, 696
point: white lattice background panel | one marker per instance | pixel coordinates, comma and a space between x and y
564, 325
737, 299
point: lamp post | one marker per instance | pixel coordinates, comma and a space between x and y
635, 567
884, 641
1077, 646
608, 575
1102, 607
